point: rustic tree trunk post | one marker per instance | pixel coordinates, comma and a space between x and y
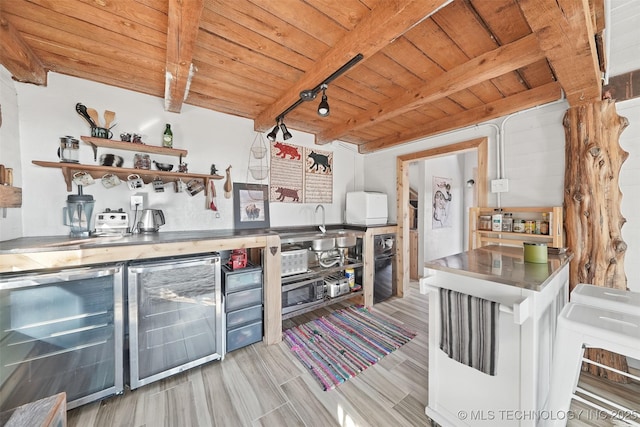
592, 197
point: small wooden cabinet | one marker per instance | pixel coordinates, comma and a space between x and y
480, 237
242, 290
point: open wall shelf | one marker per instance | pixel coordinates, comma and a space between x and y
147, 175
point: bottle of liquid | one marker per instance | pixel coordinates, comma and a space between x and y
496, 220
167, 138
544, 225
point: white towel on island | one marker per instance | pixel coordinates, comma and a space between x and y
469, 330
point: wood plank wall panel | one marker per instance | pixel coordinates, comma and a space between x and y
507, 24
430, 38
250, 54
462, 26
230, 30
305, 17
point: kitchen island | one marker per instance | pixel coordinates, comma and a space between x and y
529, 296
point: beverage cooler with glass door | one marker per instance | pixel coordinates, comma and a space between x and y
176, 318
61, 331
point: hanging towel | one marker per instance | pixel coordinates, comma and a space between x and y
469, 330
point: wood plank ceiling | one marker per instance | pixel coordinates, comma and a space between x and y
429, 65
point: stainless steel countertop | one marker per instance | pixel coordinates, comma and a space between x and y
502, 264
65, 243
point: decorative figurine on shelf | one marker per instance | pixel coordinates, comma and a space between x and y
214, 170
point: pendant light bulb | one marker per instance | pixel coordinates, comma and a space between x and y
323, 108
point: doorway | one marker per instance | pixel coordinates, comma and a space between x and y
403, 192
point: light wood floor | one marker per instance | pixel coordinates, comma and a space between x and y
264, 385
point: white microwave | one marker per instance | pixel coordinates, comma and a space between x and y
366, 208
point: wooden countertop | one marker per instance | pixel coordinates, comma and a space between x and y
34, 253
502, 264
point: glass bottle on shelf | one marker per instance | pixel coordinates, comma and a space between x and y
544, 225
167, 137
496, 220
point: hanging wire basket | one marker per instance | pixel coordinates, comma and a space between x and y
258, 152
257, 168
259, 172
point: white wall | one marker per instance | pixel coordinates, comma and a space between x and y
534, 157
534, 166
11, 226
624, 43
630, 187
47, 113
439, 242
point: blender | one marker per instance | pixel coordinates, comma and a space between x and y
77, 213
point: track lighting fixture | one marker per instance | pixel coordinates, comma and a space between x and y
323, 107
271, 136
310, 95
285, 132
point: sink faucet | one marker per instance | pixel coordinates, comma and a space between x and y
321, 227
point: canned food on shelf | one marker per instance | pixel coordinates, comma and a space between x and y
518, 225
529, 226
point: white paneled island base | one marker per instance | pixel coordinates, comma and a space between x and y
530, 297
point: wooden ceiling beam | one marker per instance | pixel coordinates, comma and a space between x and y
565, 30
182, 30
484, 67
386, 22
502, 107
18, 58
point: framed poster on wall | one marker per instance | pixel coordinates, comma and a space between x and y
250, 206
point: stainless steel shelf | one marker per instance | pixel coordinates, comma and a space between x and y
313, 272
327, 301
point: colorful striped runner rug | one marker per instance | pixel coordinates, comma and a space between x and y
343, 344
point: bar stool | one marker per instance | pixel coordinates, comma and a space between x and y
580, 326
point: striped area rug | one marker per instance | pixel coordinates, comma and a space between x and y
343, 344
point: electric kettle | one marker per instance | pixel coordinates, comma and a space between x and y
150, 220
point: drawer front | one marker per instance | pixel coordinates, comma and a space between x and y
244, 336
240, 281
243, 299
246, 315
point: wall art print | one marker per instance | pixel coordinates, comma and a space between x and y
250, 206
442, 215
300, 174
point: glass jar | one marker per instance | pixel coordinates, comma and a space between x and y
507, 222
518, 225
484, 222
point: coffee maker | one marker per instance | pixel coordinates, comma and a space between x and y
78, 213
69, 149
